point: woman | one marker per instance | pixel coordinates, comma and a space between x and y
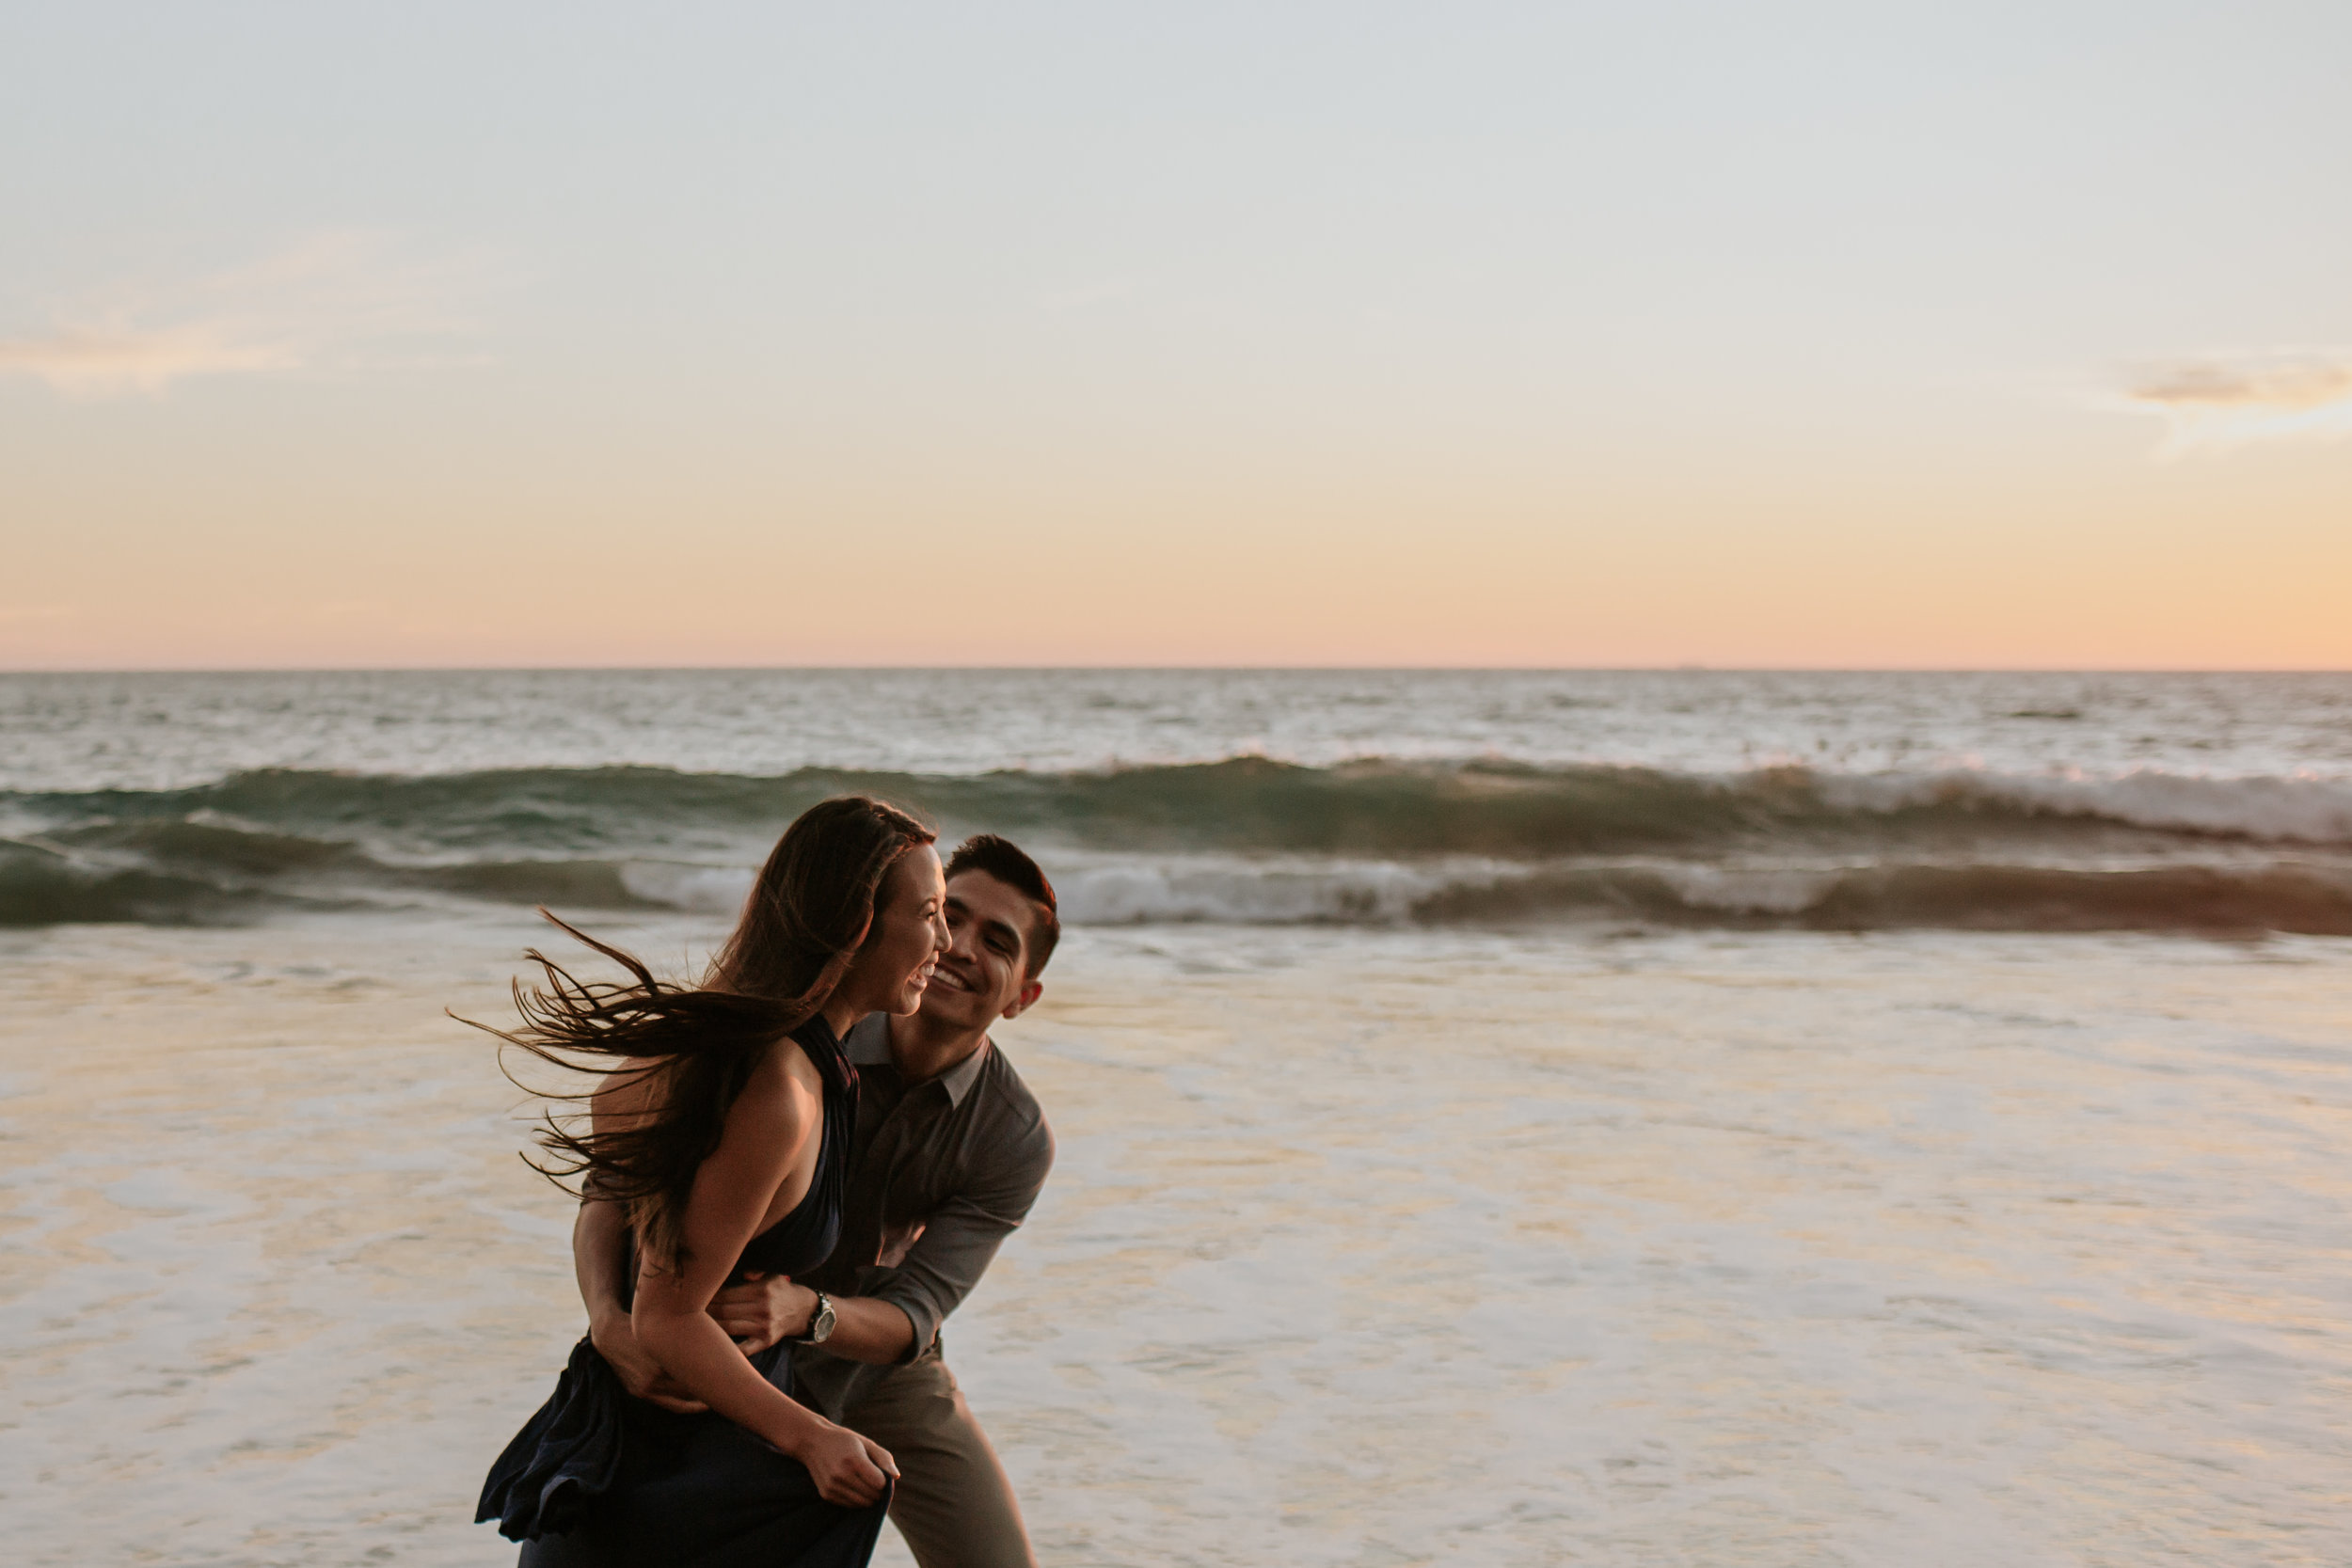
723, 1127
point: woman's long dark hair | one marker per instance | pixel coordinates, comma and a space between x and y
814, 901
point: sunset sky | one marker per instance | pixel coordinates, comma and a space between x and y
1741, 334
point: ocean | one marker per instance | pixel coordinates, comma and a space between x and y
1505, 1117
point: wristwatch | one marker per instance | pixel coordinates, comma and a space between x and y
819, 1324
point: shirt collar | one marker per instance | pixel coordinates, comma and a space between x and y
958, 1079
868, 1045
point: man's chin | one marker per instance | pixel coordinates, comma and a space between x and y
959, 1008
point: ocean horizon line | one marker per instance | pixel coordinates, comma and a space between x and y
1038, 668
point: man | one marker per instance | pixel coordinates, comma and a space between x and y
950, 1151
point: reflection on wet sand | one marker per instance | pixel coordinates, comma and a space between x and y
1363, 1245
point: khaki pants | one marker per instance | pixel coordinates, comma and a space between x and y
953, 1502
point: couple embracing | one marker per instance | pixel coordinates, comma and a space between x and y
790, 1174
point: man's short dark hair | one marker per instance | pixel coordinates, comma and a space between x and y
1002, 859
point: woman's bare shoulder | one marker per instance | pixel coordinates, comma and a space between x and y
627, 1091
785, 1081
789, 1055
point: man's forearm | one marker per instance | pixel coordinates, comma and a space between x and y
866, 1328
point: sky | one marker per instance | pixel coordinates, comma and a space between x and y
1744, 334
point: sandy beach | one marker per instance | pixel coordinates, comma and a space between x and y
1478, 1249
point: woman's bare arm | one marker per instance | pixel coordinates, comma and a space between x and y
768, 1130
752, 1314
600, 1263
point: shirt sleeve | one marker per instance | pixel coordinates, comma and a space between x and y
960, 1237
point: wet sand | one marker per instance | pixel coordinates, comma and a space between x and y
1364, 1247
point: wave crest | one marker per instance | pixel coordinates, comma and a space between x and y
1246, 839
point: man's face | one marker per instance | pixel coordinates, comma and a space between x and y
984, 975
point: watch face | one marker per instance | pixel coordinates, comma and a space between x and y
823, 1325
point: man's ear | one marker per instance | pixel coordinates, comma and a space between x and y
1030, 991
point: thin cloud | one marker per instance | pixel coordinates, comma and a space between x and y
2216, 405
333, 302
120, 357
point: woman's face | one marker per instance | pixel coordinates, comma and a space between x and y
909, 933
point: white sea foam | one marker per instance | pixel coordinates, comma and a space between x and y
2307, 810
1177, 889
708, 889
1748, 889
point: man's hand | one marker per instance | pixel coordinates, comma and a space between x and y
766, 1307
639, 1373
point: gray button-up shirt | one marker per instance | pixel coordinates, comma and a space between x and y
940, 1174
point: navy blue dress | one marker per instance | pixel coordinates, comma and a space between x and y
598, 1478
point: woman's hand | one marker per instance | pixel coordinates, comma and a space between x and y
766, 1307
616, 1340
850, 1470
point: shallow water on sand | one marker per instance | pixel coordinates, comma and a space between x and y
1364, 1247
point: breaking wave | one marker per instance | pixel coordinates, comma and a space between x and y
1247, 839
2310, 899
